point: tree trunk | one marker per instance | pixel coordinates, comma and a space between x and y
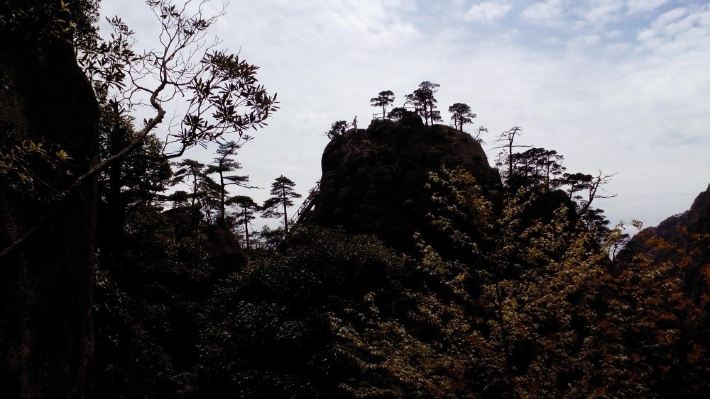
194, 188
246, 226
510, 160
115, 181
283, 198
221, 199
113, 236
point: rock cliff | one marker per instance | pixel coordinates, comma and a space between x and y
46, 332
683, 239
373, 180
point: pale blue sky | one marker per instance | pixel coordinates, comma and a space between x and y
617, 85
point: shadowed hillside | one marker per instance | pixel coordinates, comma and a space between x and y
681, 239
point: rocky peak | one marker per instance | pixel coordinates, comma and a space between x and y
374, 179
686, 235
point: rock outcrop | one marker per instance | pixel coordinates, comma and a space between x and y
683, 239
374, 180
46, 332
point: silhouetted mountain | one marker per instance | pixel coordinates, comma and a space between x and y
683, 236
374, 180
696, 220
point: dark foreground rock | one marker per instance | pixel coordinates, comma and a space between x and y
46, 332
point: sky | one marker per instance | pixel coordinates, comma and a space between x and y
621, 86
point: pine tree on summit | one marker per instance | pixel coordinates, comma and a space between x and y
424, 102
282, 194
338, 128
461, 114
383, 99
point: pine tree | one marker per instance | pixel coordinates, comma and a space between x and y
246, 207
383, 99
192, 171
222, 165
209, 194
507, 138
461, 114
397, 113
338, 128
538, 166
282, 194
424, 102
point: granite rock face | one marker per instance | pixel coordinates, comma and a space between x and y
374, 180
46, 333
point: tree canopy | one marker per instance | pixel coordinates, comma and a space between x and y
282, 196
424, 102
337, 129
461, 114
384, 99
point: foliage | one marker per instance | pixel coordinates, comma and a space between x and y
148, 305
270, 334
282, 196
222, 165
244, 214
424, 102
337, 129
384, 99
73, 21
554, 319
21, 161
461, 114
397, 113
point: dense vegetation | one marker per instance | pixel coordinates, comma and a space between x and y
415, 270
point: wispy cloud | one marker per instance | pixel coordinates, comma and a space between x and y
599, 13
548, 12
486, 12
678, 31
643, 6
619, 85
